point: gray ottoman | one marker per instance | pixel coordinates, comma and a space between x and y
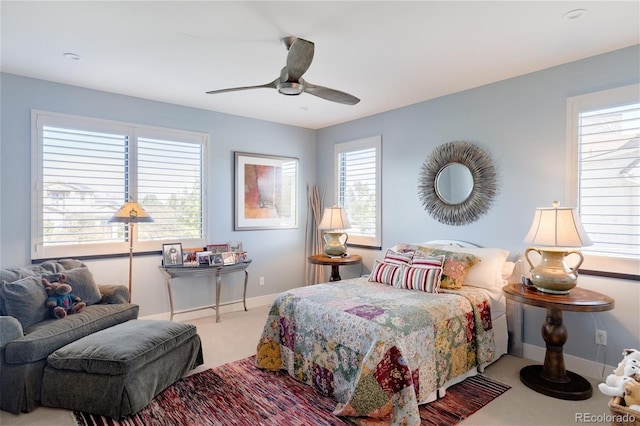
117, 371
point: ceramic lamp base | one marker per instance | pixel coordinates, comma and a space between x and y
552, 275
335, 244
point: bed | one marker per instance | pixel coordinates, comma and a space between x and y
382, 344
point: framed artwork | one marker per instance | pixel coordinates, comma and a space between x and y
218, 248
266, 192
172, 255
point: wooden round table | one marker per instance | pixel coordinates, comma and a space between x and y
335, 263
552, 379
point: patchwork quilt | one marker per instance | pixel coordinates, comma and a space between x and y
379, 351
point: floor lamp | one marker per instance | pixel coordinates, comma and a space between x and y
131, 213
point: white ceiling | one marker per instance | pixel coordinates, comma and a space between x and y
389, 54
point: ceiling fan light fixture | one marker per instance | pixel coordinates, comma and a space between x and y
289, 88
290, 81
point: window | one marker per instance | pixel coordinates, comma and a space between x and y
604, 156
84, 169
358, 189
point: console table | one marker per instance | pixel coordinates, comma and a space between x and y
216, 271
552, 379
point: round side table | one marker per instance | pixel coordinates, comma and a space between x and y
552, 379
335, 263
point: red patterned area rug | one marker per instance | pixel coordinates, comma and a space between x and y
238, 393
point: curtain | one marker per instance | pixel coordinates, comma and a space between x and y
314, 274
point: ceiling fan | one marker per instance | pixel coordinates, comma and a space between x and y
290, 81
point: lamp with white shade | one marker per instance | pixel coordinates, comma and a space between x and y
559, 231
334, 222
131, 213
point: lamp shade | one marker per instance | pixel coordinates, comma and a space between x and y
557, 227
131, 212
334, 218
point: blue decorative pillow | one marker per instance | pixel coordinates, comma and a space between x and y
25, 300
82, 284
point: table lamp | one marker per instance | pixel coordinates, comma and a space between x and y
558, 230
334, 221
131, 213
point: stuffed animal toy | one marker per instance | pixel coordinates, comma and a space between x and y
629, 355
618, 389
627, 371
61, 301
632, 395
632, 369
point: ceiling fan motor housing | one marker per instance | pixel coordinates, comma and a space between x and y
290, 88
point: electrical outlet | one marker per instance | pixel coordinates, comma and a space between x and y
601, 337
261, 280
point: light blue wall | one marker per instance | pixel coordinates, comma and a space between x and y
520, 122
269, 249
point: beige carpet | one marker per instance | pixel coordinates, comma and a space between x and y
236, 336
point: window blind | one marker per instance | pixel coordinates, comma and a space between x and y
84, 169
609, 179
83, 184
170, 188
358, 188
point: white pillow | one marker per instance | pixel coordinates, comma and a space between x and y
488, 273
507, 270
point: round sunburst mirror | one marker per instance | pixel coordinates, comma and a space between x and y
457, 183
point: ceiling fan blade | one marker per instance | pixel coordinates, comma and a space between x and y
299, 57
272, 85
330, 94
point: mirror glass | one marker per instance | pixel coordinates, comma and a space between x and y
454, 183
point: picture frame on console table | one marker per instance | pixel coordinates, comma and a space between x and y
172, 255
190, 255
228, 258
216, 259
266, 192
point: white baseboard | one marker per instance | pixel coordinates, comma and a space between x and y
581, 366
205, 312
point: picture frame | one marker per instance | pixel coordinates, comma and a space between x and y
218, 248
172, 255
204, 258
216, 259
235, 246
228, 258
190, 255
266, 192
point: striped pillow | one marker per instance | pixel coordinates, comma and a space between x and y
426, 261
426, 278
398, 258
384, 273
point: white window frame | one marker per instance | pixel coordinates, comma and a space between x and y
594, 263
39, 119
374, 142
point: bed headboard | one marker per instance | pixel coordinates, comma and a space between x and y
455, 243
